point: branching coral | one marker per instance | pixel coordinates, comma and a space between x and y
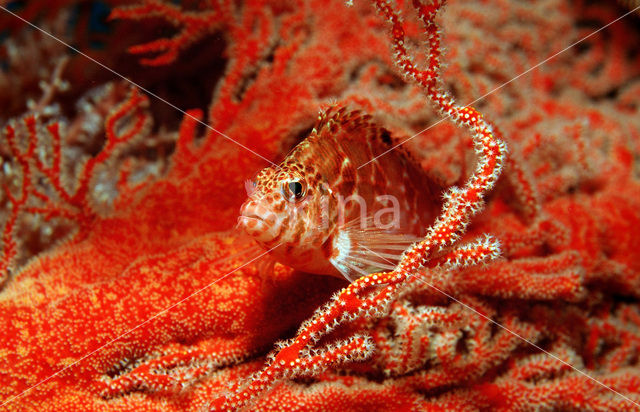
152, 305
44, 188
193, 25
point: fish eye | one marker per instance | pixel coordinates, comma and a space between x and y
294, 190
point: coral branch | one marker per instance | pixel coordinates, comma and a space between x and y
53, 199
132, 107
176, 367
460, 204
9, 249
192, 25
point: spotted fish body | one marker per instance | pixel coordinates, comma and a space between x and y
328, 216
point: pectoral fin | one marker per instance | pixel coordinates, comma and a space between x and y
360, 251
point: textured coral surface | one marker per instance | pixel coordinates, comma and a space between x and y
126, 287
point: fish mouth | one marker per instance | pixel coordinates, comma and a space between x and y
257, 221
245, 221
258, 228
251, 216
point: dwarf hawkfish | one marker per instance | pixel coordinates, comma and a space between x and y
328, 216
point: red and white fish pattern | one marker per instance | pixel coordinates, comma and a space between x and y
328, 216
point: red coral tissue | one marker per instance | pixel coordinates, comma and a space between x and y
124, 285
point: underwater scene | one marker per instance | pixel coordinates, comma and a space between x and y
318, 205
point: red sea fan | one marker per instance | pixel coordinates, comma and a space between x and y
125, 286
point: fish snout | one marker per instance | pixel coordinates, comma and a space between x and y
259, 222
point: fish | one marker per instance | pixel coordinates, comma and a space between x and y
319, 212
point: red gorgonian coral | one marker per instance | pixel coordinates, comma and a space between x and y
126, 288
